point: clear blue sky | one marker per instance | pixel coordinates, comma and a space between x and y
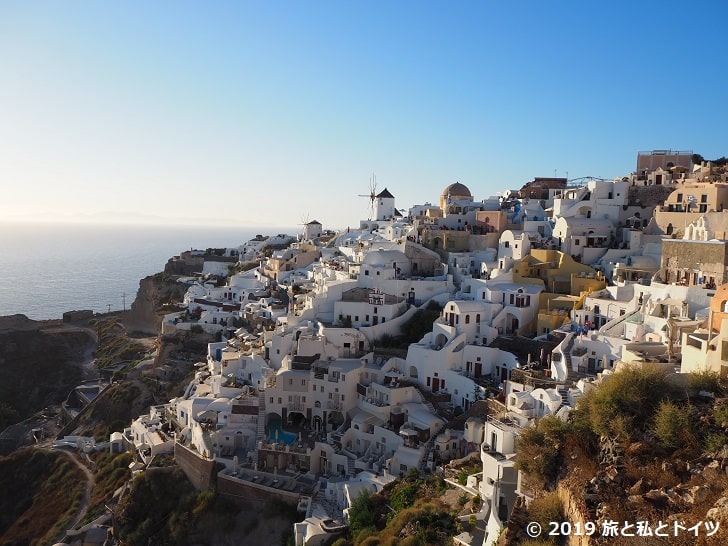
259, 113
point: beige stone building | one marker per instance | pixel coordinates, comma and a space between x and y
559, 272
707, 349
694, 263
664, 159
297, 256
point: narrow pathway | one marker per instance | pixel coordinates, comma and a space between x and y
85, 501
88, 364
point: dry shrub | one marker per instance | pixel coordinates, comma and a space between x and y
546, 508
651, 473
672, 425
579, 459
629, 397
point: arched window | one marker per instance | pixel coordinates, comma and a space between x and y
477, 318
467, 319
669, 229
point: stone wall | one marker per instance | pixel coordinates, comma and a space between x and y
428, 261
576, 514
241, 491
684, 256
200, 472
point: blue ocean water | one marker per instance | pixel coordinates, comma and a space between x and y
47, 269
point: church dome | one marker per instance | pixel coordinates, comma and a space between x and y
457, 191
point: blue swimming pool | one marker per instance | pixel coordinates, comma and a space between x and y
283, 436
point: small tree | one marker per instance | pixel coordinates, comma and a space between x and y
361, 514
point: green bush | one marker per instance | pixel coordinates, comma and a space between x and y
420, 323
538, 449
361, 514
705, 381
715, 441
720, 413
545, 509
404, 496
626, 401
671, 424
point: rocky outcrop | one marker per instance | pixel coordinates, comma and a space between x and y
143, 316
158, 294
184, 264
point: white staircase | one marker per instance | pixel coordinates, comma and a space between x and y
261, 418
567, 354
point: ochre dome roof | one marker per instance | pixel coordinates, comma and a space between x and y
457, 189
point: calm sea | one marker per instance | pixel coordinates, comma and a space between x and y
47, 269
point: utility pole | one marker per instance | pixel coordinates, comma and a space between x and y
123, 299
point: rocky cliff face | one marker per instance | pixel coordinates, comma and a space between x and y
143, 316
40, 362
158, 294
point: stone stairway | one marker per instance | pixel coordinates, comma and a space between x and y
427, 397
564, 392
320, 499
261, 417
350, 469
567, 354
428, 449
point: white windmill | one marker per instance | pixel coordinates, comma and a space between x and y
372, 195
311, 228
303, 223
